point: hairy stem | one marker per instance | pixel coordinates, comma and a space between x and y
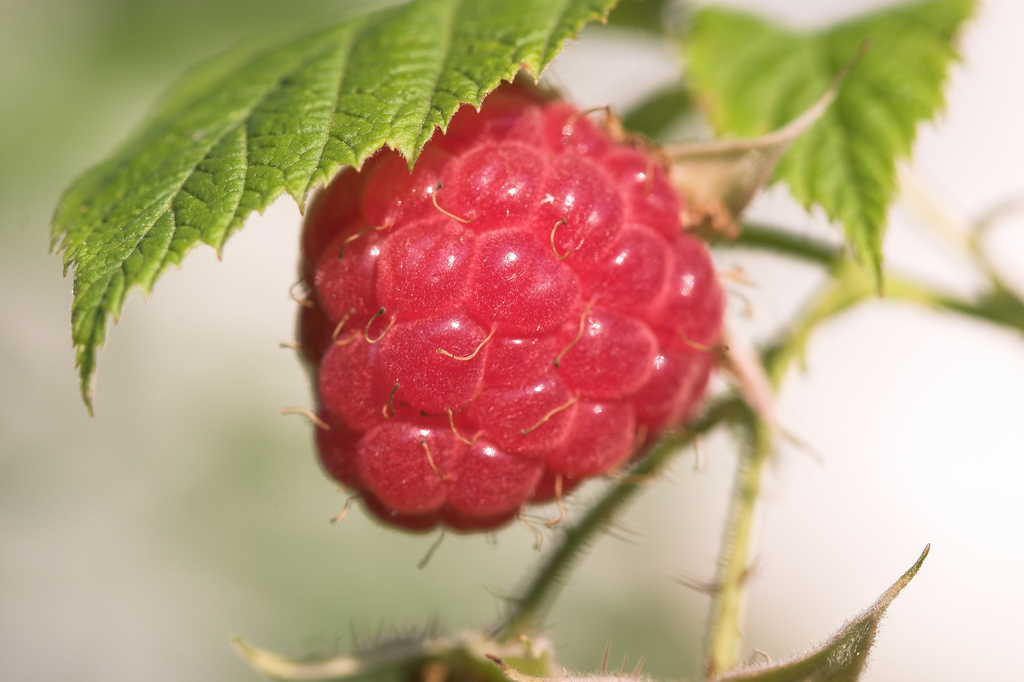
529, 609
849, 286
725, 626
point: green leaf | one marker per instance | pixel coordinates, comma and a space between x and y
235, 133
644, 15
843, 657
655, 115
754, 76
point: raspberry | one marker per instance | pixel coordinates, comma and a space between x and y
508, 319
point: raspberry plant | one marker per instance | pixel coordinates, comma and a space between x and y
365, 103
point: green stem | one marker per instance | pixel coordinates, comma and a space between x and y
725, 623
786, 243
529, 609
725, 626
998, 305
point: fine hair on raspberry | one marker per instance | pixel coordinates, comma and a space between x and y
520, 312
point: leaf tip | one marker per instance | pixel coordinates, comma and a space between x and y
300, 197
87, 391
878, 275
904, 580
924, 555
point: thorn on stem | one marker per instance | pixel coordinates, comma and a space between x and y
622, 668
709, 587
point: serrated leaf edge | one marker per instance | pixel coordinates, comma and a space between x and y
77, 252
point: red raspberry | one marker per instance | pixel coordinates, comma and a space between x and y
504, 321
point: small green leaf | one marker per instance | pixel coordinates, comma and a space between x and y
754, 76
258, 121
843, 657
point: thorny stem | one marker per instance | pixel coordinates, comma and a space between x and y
849, 286
725, 626
725, 622
528, 610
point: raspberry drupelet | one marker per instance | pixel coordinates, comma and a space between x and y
508, 319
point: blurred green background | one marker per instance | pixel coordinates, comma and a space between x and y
135, 543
